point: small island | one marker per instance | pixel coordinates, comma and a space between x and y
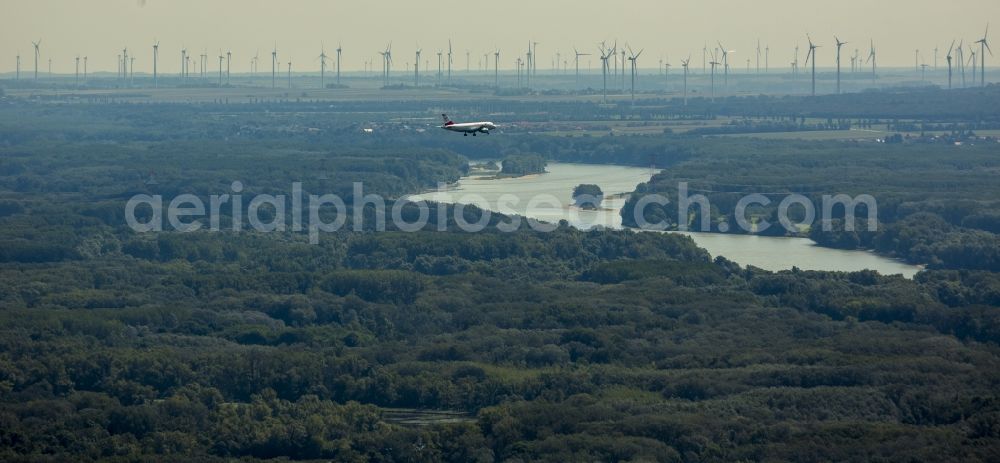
588, 196
522, 164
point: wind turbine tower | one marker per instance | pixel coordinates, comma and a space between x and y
496, 68
758, 56
416, 69
322, 66
984, 46
578, 55
839, 44
948, 57
606, 54
685, 63
812, 54
871, 59
725, 65
274, 67
713, 63
156, 57
633, 60
339, 49
37, 51
960, 56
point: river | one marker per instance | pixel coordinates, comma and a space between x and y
548, 197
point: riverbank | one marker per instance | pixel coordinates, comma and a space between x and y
556, 186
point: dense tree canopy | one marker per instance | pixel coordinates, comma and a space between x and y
564, 346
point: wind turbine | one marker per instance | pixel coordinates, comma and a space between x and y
767, 58
274, 67
972, 59
527, 70
125, 63
871, 59
961, 59
725, 64
289, 74
183, 60
578, 55
416, 68
758, 56
984, 46
76, 77
255, 64
704, 59
713, 63
685, 63
449, 60
339, 49
812, 53
17, 76
387, 62
633, 60
517, 62
322, 65
156, 57
606, 53
439, 55
623, 68
948, 57
795, 64
221, 59
839, 44
37, 51
84, 68
496, 68
534, 59
229, 62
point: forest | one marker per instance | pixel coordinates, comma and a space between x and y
606, 345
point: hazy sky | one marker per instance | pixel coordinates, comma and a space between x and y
674, 28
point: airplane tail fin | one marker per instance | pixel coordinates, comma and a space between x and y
447, 120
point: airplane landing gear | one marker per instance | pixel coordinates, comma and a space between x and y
473, 134
465, 135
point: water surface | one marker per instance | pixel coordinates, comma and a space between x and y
548, 197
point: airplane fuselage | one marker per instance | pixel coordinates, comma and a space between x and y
468, 127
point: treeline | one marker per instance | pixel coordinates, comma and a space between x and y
523, 164
129, 357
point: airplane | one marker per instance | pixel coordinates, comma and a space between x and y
468, 127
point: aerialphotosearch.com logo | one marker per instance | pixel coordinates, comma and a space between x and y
186, 212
